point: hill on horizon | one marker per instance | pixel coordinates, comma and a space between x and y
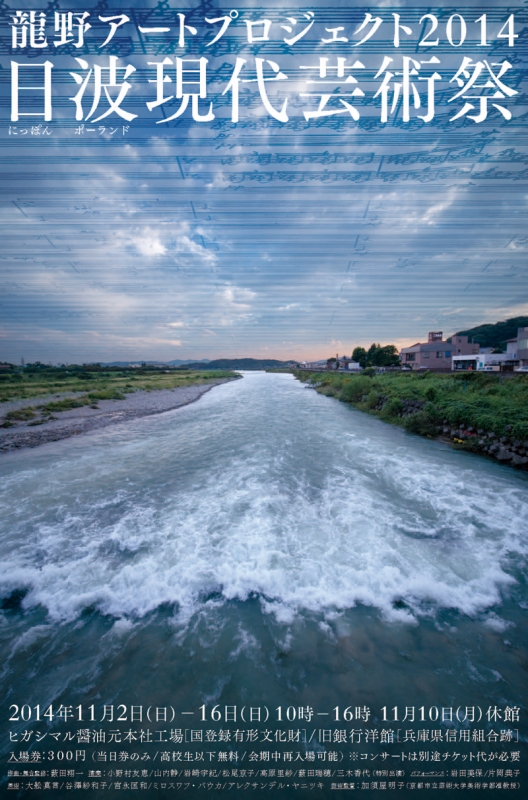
240, 363
495, 334
177, 362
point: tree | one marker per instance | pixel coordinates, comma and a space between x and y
376, 356
386, 356
360, 355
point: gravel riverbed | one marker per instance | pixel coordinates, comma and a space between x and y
77, 421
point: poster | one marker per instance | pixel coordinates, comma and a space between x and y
265, 592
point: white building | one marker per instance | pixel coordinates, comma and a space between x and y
489, 362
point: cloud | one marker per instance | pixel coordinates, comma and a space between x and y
148, 245
453, 312
237, 299
503, 312
140, 255
186, 245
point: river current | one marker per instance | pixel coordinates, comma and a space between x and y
267, 548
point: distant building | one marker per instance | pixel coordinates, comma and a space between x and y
339, 363
522, 346
437, 353
511, 356
346, 363
343, 364
490, 362
318, 365
515, 357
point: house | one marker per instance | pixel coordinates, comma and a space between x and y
510, 357
346, 363
522, 346
314, 365
489, 362
515, 357
436, 353
341, 363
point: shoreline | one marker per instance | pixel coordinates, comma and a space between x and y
78, 421
497, 442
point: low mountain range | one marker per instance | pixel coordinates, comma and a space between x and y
240, 363
495, 334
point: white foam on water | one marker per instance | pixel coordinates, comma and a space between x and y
497, 624
382, 524
245, 642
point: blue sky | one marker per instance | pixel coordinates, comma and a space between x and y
260, 238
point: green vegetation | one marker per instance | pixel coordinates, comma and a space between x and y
495, 335
87, 385
426, 403
22, 414
66, 405
376, 356
98, 383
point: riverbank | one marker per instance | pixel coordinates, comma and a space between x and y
473, 411
32, 423
263, 546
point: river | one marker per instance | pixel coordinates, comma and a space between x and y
265, 559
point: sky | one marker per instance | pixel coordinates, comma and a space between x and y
274, 236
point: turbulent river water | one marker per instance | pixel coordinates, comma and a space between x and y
269, 549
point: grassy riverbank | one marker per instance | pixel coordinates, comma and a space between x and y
76, 387
476, 411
